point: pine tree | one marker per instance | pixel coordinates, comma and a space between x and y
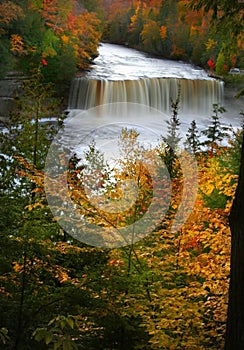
172, 139
215, 132
193, 138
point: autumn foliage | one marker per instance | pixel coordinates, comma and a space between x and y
167, 291
170, 29
63, 33
68, 33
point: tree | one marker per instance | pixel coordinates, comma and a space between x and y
228, 12
150, 36
193, 137
227, 18
136, 25
9, 14
235, 320
118, 21
221, 64
25, 137
85, 38
172, 139
59, 34
227, 15
215, 132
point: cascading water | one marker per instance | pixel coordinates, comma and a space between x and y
121, 74
195, 95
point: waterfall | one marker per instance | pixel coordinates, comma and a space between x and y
196, 96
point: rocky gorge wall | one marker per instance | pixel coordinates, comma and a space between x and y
9, 87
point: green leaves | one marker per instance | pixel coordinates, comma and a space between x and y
49, 44
57, 332
215, 133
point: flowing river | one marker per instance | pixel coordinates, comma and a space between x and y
121, 74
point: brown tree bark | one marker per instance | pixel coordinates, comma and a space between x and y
235, 319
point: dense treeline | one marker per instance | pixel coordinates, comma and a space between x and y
63, 36
172, 29
55, 36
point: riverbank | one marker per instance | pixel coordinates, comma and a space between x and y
234, 105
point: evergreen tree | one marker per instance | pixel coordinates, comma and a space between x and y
172, 139
215, 132
193, 138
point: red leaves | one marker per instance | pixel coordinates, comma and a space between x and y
211, 64
44, 62
193, 243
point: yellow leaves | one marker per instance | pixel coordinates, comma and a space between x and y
135, 17
33, 206
66, 248
177, 283
216, 181
210, 44
203, 254
208, 188
150, 32
32, 49
17, 44
33, 266
194, 30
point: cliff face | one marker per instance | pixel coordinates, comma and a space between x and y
9, 87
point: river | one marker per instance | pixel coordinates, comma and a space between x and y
121, 74
117, 62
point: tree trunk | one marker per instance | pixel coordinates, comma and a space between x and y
235, 319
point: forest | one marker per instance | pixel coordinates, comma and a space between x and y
169, 290
62, 37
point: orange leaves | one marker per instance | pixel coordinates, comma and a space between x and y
190, 270
55, 13
86, 37
175, 283
163, 32
116, 263
61, 274
4, 292
17, 44
17, 267
33, 266
10, 12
